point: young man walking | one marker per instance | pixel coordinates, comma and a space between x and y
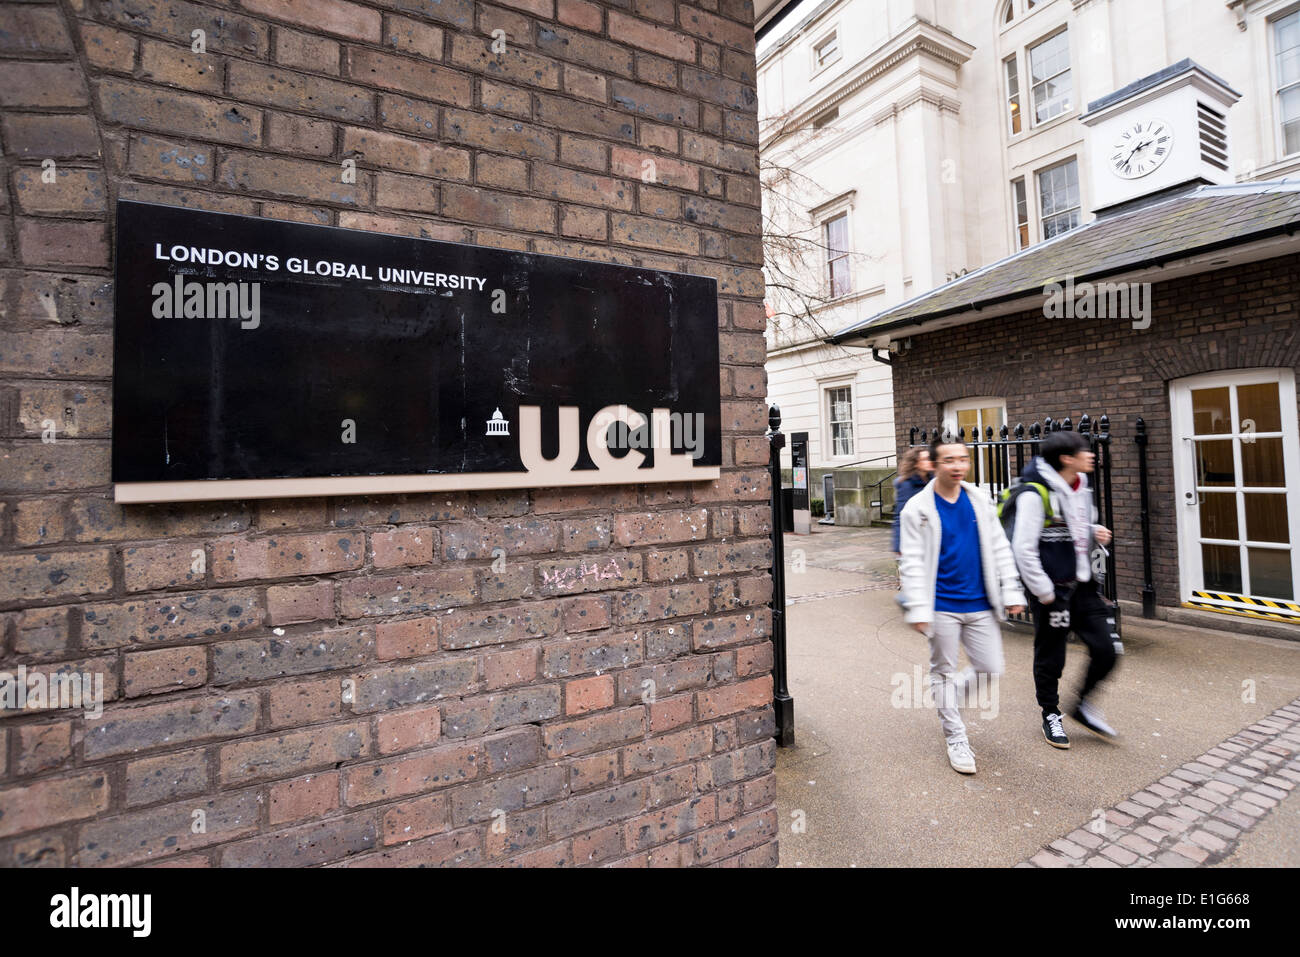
1052, 539
959, 580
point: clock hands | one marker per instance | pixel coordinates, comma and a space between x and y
1140, 146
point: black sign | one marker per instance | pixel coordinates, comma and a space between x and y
799, 468
255, 358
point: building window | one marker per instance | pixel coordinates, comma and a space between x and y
1049, 70
1286, 42
1058, 198
827, 51
1021, 212
837, 255
1009, 13
839, 407
822, 120
1013, 94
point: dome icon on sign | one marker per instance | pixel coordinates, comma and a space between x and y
498, 425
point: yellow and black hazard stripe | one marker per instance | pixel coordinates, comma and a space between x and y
1271, 608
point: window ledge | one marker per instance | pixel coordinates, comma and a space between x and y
818, 71
1071, 114
1287, 164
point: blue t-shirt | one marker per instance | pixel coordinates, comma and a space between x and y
959, 586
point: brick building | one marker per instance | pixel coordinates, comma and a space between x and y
267, 701
1177, 304
1208, 363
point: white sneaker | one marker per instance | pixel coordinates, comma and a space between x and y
961, 757
1090, 717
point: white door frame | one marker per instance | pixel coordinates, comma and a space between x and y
1187, 495
975, 403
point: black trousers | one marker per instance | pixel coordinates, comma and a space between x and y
1079, 609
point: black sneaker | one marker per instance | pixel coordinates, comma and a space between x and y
1053, 732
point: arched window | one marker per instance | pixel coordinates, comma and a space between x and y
1009, 13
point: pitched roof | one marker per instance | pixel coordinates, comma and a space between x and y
1198, 220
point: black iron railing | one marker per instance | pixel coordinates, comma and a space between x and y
997, 463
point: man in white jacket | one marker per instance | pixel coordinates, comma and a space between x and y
959, 580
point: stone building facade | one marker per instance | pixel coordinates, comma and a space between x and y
932, 138
359, 680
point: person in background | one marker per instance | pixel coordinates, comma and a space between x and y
915, 469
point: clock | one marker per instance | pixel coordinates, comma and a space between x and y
1140, 147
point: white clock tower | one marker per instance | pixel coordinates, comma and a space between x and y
1162, 131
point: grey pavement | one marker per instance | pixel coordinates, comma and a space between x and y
868, 783
1273, 843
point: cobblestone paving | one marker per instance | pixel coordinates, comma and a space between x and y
838, 592
1197, 814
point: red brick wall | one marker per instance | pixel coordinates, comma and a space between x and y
351, 679
1237, 318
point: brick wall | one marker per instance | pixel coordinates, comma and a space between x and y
351, 679
1236, 318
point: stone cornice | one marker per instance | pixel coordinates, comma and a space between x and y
937, 100
919, 39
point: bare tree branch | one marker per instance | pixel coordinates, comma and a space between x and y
796, 253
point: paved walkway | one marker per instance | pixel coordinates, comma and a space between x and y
868, 783
1201, 812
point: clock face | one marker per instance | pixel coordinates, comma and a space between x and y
1140, 147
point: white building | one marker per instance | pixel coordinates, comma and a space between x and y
915, 140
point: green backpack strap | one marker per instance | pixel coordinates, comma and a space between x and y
1048, 515
1008, 494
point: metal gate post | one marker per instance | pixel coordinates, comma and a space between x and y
781, 700
1148, 587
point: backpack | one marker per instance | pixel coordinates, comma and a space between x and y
1007, 506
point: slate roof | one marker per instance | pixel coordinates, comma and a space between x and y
1199, 220
1155, 79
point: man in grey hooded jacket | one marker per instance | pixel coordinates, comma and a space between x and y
1053, 547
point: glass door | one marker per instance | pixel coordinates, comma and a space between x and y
975, 417
1235, 450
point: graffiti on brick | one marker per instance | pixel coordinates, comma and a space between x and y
573, 575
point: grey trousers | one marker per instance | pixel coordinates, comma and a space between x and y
981, 636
